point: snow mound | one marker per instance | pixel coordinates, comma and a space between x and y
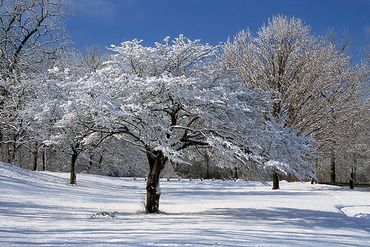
13, 171
360, 213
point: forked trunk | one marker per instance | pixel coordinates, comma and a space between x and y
156, 161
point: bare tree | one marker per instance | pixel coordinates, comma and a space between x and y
30, 37
312, 78
93, 58
28, 30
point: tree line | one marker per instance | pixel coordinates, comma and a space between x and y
281, 102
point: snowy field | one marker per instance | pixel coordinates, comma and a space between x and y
41, 209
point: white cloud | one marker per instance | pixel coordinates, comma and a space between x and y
367, 30
97, 8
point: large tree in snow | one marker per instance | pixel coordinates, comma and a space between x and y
167, 98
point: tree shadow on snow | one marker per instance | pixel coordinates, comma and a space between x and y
302, 218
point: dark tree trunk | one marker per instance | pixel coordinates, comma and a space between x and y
275, 181
91, 161
34, 157
351, 184
73, 167
1, 144
11, 150
156, 161
352, 180
43, 160
208, 175
236, 175
100, 161
332, 167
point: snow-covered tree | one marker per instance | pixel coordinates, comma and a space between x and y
30, 38
167, 98
53, 117
311, 80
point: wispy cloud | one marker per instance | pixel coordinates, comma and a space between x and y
98, 8
367, 30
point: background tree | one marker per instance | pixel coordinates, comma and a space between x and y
312, 81
30, 38
55, 94
93, 58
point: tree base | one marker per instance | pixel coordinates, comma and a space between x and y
275, 181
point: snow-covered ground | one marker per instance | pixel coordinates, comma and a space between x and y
41, 209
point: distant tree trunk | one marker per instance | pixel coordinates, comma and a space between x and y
275, 181
91, 160
332, 167
351, 184
100, 161
73, 167
208, 175
156, 161
1, 143
34, 156
353, 177
176, 167
12, 150
236, 176
43, 160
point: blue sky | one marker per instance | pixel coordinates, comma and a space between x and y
106, 22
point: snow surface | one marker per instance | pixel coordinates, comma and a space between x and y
41, 209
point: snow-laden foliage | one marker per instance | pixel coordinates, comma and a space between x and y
312, 79
180, 56
177, 95
31, 38
309, 75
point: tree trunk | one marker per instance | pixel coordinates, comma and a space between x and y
100, 161
73, 167
11, 153
208, 175
34, 157
1, 143
351, 184
43, 160
275, 181
352, 180
156, 161
11, 150
332, 167
91, 161
236, 175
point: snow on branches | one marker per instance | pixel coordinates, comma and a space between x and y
179, 94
